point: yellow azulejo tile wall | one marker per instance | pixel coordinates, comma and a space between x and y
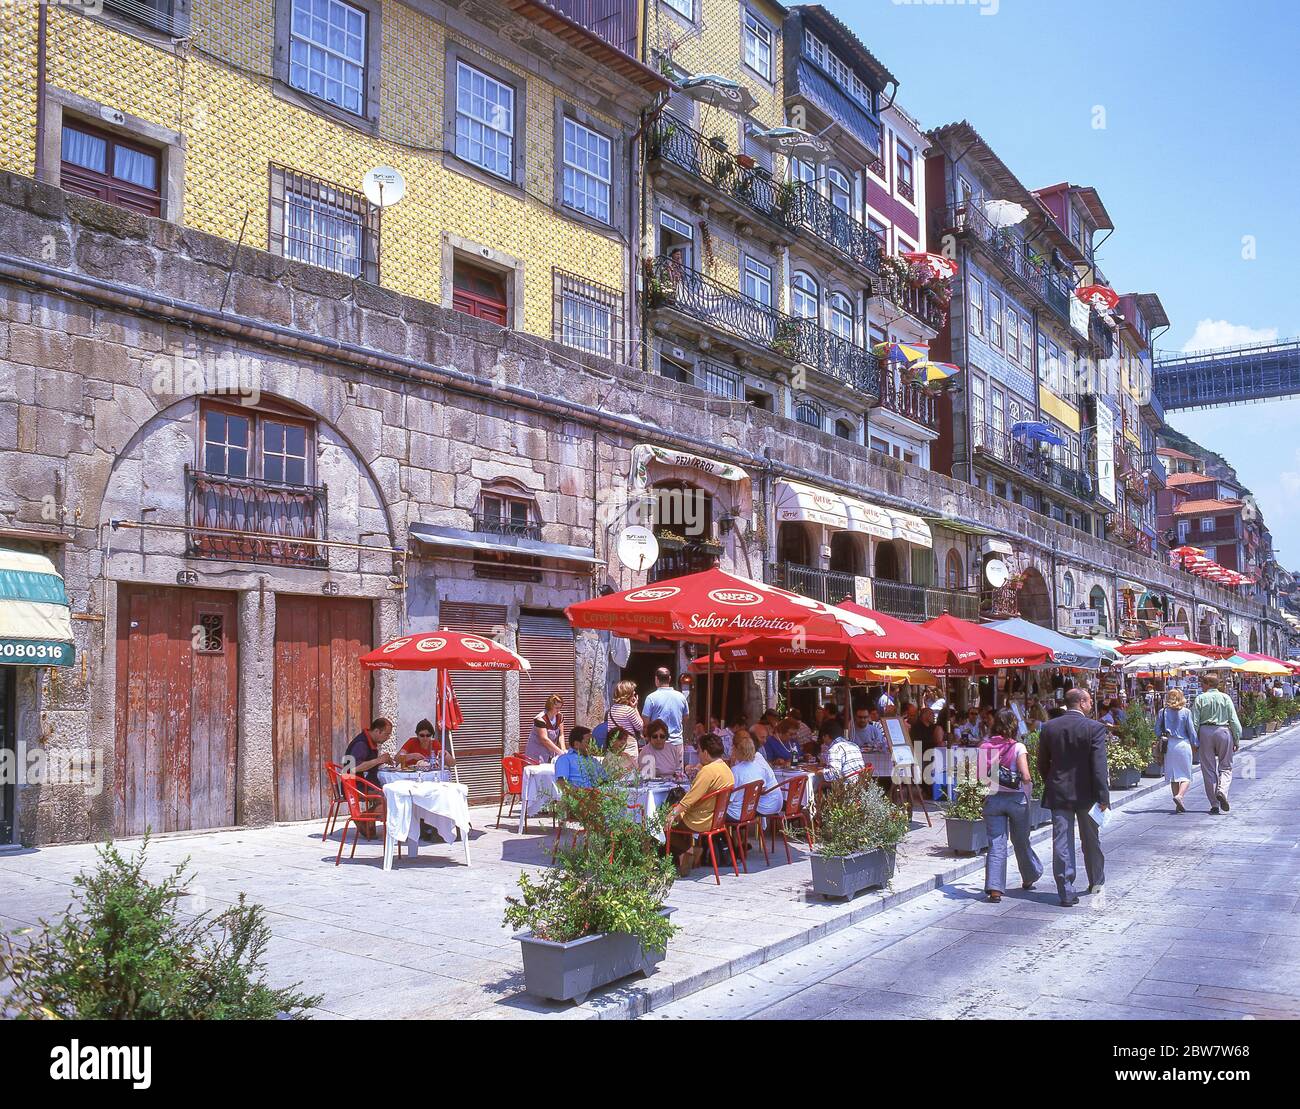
706, 36
218, 93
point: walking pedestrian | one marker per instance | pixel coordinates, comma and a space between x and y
1072, 761
1218, 735
1174, 727
1005, 764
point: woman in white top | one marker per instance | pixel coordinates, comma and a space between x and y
1005, 762
749, 766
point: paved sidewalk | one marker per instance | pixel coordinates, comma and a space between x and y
1200, 919
426, 939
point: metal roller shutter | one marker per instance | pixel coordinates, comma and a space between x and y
480, 740
546, 641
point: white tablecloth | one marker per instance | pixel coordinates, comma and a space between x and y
650, 794
539, 788
386, 776
786, 774
444, 805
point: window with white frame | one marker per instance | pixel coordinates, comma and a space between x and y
1013, 334
977, 409
322, 224
587, 314
905, 186
804, 295
977, 306
840, 312
843, 76
586, 170
839, 189
756, 39
803, 171
327, 52
757, 281
485, 121
684, 8
995, 320
1026, 343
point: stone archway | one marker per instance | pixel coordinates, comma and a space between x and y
1034, 602
888, 566
1254, 641
1097, 602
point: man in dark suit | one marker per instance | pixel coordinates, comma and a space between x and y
1072, 761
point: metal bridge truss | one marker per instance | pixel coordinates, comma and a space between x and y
1209, 379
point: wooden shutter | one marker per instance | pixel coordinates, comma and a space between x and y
546, 641
480, 741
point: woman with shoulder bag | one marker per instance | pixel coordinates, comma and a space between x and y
1174, 726
1006, 806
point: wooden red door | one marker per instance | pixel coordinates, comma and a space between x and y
177, 709
322, 696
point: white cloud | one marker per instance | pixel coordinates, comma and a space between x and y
1212, 334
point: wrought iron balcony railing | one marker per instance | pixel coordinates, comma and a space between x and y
922, 602
1028, 459
499, 525
908, 399
753, 187
812, 212
1036, 273
789, 337
916, 300
827, 586
251, 520
1101, 335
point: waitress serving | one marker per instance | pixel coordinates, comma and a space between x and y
546, 739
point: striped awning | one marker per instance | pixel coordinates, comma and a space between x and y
808, 504
35, 621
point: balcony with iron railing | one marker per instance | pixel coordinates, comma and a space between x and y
787, 338
922, 602
810, 211
1199, 538
1030, 460
919, 301
909, 400
488, 524
1120, 529
828, 586
1101, 335
748, 189
252, 520
1033, 271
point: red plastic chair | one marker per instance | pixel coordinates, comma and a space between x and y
359, 794
334, 773
718, 827
793, 811
512, 776
749, 796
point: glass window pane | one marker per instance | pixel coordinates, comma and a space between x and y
135, 166
274, 436
88, 151
237, 430
237, 462
273, 467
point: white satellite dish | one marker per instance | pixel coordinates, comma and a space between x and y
638, 549
383, 186
995, 570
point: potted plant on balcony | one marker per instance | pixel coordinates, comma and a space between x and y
670, 540
785, 339
1125, 763
745, 161
964, 820
857, 836
718, 143
598, 914
785, 198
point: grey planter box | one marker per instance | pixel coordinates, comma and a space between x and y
1125, 779
1153, 770
570, 971
966, 837
1038, 813
845, 875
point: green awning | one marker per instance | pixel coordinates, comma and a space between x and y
35, 620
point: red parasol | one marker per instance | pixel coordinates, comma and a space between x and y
443, 650
1172, 643
449, 715
714, 605
936, 266
996, 649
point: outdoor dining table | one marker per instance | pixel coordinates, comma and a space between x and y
650, 794
538, 790
426, 796
789, 773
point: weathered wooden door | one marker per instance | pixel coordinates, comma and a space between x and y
177, 709
322, 695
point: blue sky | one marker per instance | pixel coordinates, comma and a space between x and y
1200, 149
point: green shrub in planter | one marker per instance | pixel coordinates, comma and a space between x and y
613, 883
126, 954
857, 836
1125, 763
964, 819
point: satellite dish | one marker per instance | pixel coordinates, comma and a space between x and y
638, 549
383, 186
995, 570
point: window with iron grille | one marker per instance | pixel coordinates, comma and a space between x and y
171, 17
327, 52
719, 380
587, 316
808, 413
323, 224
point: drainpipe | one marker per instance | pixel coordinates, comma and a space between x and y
40, 92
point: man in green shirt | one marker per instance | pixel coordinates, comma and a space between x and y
1218, 734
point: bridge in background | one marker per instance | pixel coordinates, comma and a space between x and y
1242, 375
